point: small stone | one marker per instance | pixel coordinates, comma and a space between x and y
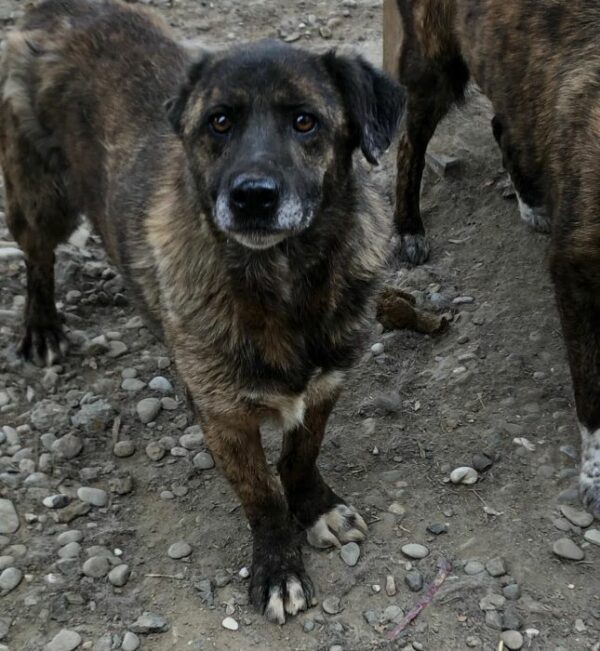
414, 580
377, 349
192, 438
9, 520
474, 567
511, 621
168, 403
473, 642
150, 623
332, 605
244, 573
203, 461
481, 462
513, 640
392, 613
121, 485
179, 550
206, 591
512, 591
397, 509
116, 349
576, 516
10, 579
94, 417
390, 585
131, 642
58, 501
230, 624
132, 384
93, 496
147, 409
496, 566
161, 384
68, 446
414, 550
96, 567
464, 475
492, 602
580, 626
437, 528
308, 626
566, 548
155, 451
463, 300
592, 536
48, 415
70, 550
350, 553
493, 619
562, 524
69, 513
124, 449
64, 640
119, 575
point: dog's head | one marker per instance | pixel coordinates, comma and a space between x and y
267, 126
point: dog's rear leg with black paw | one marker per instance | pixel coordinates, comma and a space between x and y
279, 585
325, 516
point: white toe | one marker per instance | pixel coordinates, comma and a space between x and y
274, 611
295, 600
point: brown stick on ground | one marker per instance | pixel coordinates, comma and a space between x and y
396, 311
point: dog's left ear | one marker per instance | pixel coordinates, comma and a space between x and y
374, 101
175, 106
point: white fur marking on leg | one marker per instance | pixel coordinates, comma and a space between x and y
534, 216
589, 478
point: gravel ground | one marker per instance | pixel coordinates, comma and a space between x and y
116, 531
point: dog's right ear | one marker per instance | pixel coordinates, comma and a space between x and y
175, 106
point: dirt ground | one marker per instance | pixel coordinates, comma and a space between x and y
407, 419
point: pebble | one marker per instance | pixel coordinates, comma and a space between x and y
332, 605
124, 449
179, 550
592, 536
94, 416
203, 461
472, 642
377, 349
132, 384
192, 439
155, 451
437, 528
131, 642
244, 573
464, 475
96, 567
150, 623
493, 619
58, 501
10, 579
230, 624
474, 567
350, 553
64, 640
492, 602
390, 585
68, 446
512, 640
161, 384
9, 520
6, 561
511, 621
576, 516
392, 613
414, 550
49, 415
169, 404
93, 496
496, 567
562, 524
119, 575
69, 513
147, 409
414, 580
308, 626
70, 550
512, 591
482, 462
566, 548
116, 349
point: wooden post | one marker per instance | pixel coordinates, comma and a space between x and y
392, 37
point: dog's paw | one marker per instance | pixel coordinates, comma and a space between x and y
278, 591
413, 248
536, 217
341, 525
43, 345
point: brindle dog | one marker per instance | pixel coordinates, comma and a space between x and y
226, 193
538, 62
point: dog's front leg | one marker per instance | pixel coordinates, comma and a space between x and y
279, 583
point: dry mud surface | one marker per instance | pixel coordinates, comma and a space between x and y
409, 416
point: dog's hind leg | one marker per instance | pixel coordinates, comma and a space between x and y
279, 584
527, 183
328, 520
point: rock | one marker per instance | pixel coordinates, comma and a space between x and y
155, 451
96, 567
397, 509
308, 626
481, 462
377, 349
168, 403
96, 346
70, 550
562, 524
93, 496
492, 602
121, 485
69, 513
150, 623
119, 575
57, 501
161, 384
192, 438
116, 349
64, 640
512, 591
474, 567
10, 579
94, 417
179, 550
473, 642
577, 516
414, 580
592, 536
68, 446
132, 384
464, 475
437, 528
124, 449
496, 566
230, 624
332, 605
390, 585
493, 619
392, 614
206, 590
511, 621
203, 461
350, 553
49, 415
131, 642
147, 409
566, 548
9, 520
414, 550
513, 640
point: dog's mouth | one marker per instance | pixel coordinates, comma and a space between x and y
258, 240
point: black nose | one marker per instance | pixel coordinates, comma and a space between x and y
254, 196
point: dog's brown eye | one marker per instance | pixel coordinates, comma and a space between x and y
220, 123
305, 122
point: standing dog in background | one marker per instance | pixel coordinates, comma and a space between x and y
538, 61
225, 192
